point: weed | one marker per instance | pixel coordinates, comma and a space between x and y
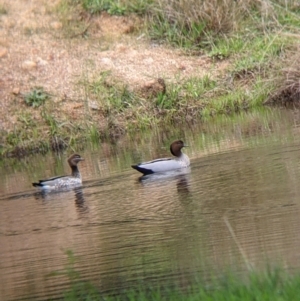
195, 87
3, 10
94, 134
36, 97
51, 122
167, 101
13, 138
113, 97
27, 120
116, 7
259, 93
286, 88
223, 47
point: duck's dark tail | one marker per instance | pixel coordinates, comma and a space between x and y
143, 170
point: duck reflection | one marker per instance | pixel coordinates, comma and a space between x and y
180, 175
183, 185
47, 196
164, 176
79, 200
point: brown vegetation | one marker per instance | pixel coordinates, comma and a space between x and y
288, 82
103, 75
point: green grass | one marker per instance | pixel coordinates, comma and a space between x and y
119, 7
203, 24
112, 96
253, 35
261, 286
126, 111
36, 97
3, 10
269, 284
256, 39
179, 100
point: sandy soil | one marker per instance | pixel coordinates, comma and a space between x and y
39, 47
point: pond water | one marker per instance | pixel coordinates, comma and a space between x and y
238, 206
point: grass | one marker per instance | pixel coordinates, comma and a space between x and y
287, 82
257, 39
172, 101
36, 97
271, 284
119, 7
252, 35
126, 111
3, 10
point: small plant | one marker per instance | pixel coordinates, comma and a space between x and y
116, 7
36, 97
3, 10
94, 134
51, 122
169, 100
223, 47
113, 96
27, 120
286, 87
96, 6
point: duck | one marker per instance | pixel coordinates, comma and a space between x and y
180, 160
63, 182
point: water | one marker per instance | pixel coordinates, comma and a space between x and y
237, 207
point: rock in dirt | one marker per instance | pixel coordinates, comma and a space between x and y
56, 25
16, 90
93, 105
28, 65
41, 62
3, 51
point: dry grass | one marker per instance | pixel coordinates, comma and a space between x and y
197, 24
217, 16
66, 50
287, 83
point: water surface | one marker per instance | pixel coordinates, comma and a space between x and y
238, 206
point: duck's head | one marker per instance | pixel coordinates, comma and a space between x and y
75, 159
176, 147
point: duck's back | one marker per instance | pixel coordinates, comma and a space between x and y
162, 165
58, 182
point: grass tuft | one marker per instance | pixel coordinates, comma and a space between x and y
287, 82
120, 7
3, 10
36, 97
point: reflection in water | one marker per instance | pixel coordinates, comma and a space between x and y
79, 200
183, 189
48, 196
164, 176
239, 204
179, 177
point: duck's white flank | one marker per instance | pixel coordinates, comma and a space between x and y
180, 160
63, 182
